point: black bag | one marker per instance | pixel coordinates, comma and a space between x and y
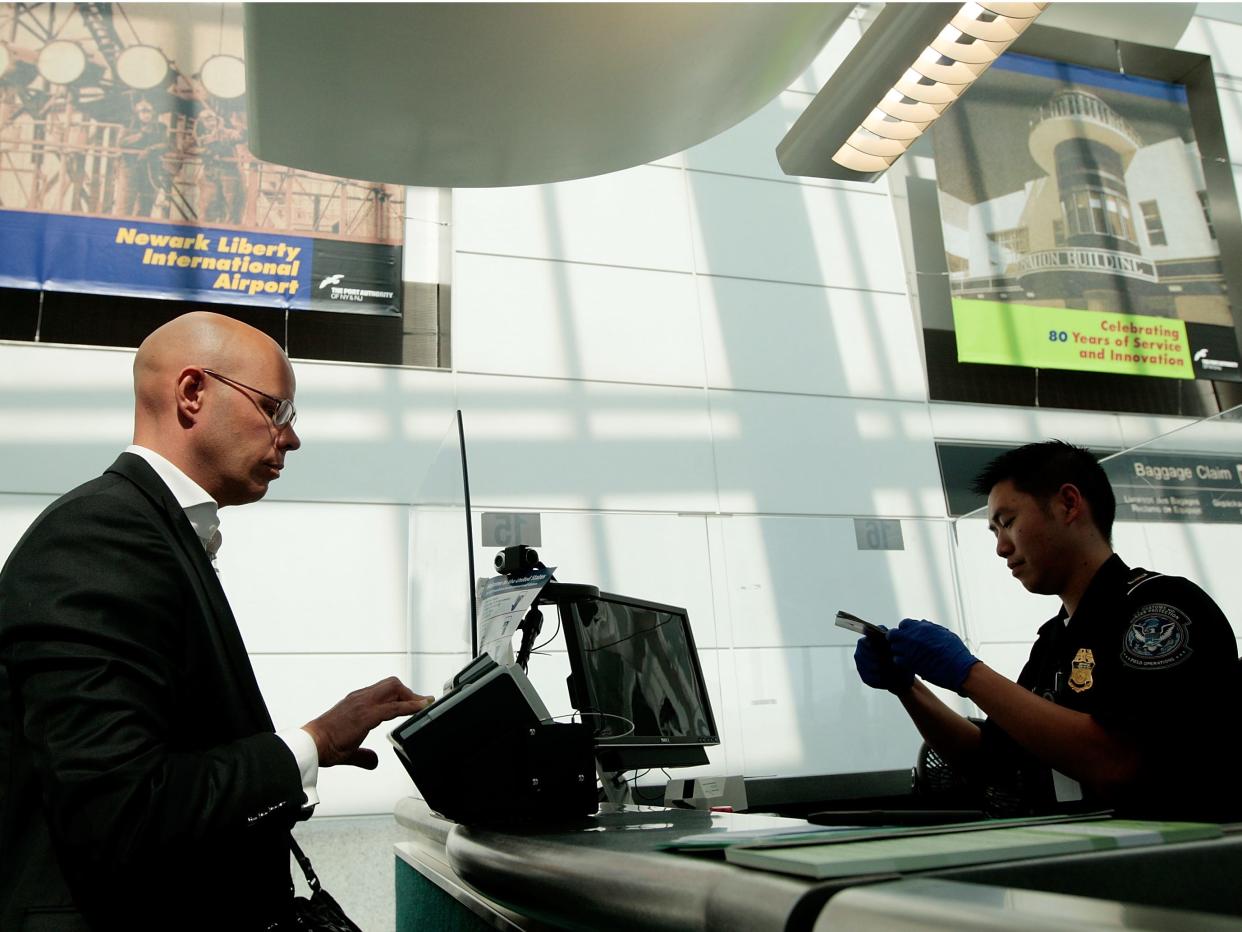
320, 913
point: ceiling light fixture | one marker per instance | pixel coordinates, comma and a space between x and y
909, 67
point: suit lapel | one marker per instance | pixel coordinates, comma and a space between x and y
205, 580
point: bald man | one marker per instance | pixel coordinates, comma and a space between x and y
144, 785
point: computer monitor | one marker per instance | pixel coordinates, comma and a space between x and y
636, 679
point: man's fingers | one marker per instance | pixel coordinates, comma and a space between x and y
404, 707
393, 688
389, 689
414, 702
364, 758
386, 711
348, 722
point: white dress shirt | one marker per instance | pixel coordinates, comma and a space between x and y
203, 513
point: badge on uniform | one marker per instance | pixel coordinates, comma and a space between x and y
1080, 675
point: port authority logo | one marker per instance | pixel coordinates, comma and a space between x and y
341, 293
1204, 360
1214, 352
1157, 638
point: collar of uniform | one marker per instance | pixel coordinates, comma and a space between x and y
1053, 625
1102, 588
199, 507
1111, 571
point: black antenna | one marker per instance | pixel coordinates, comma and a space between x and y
465, 491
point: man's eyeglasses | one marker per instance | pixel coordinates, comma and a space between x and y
284, 414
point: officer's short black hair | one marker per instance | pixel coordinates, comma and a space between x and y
1040, 469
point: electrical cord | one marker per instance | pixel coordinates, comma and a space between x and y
552, 638
655, 798
602, 715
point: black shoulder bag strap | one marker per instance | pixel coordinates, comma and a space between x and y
320, 913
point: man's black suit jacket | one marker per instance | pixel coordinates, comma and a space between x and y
142, 785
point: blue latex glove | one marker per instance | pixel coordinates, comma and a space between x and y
931, 651
875, 665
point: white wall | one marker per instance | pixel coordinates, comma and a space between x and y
699, 371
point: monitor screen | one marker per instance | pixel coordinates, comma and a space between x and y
637, 681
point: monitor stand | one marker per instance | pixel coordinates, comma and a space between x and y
616, 789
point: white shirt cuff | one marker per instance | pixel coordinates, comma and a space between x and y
306, 754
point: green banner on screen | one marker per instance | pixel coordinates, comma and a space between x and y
1069, 338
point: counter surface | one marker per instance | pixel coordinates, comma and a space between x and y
607, 872
607, 868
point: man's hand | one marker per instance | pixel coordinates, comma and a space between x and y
876, 668
933, 652
340, 731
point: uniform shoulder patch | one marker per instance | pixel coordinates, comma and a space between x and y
1157, 637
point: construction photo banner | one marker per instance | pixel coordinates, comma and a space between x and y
124, 169
1077, 227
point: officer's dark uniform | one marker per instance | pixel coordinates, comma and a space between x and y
1153, 660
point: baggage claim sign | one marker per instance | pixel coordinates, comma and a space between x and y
162, 260
1179, 488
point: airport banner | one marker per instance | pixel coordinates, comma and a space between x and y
127, 171
1065, 338
1077, 226
161, 260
